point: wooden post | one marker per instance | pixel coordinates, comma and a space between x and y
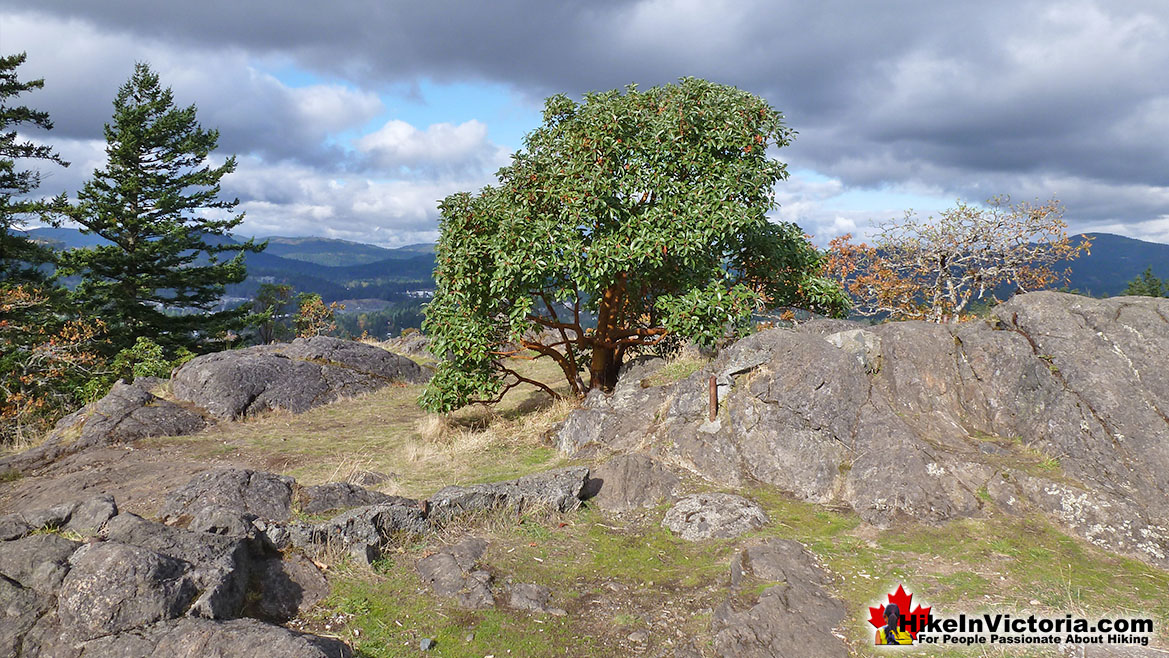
713, 399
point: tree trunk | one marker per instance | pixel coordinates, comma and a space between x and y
605, 363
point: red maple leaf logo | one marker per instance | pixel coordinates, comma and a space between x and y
911, 622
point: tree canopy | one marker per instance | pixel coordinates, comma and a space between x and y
156, 200
628, 219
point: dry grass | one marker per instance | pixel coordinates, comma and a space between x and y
386, 432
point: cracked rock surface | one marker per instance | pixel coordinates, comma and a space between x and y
1059, 403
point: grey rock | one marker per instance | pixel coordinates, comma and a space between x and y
365, 528
218, 520
713, 516
612, 421
20, 610
91, 515
527, 596
796, 613
862, 344
426, 644
634, 372
198, 638
628, 482
331, 496
37, 562
908, 420
451, 573
221, 566
262, 494
13, 526
115, 587
297, 376
50, 518
559, 489
286, 587
414, 344
127, 413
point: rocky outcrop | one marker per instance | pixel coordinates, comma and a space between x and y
261, 494
559, 490
127, 413
332, 496
141, 588
297, 376
796, 616
1060, 404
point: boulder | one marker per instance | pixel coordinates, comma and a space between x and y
220, 566
90, 516
123, 592
115, 587
296, 376
714, 516
1058, 404
629, 482
38, 562
127, 413
451, 573
219, 520
320, 498
795, 616
259, 493
559, 489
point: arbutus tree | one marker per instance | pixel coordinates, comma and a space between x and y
627, 220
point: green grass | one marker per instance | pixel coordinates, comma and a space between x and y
676, 370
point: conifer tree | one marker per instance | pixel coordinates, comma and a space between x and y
156, 201
20, 257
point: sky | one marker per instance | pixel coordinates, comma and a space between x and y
351, 119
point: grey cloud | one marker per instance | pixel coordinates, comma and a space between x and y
1023, 97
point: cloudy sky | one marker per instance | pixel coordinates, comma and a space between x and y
350, 119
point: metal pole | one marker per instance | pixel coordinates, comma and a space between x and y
713, 399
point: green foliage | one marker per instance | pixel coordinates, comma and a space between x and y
145, 358
1148, 285
21, 259
646, 210
44, 354
156, 202
272, 308
314, 317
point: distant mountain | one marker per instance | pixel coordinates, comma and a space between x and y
390, 277
325, 251
1115, 260
339, 269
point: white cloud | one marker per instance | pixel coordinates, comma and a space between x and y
399, 147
